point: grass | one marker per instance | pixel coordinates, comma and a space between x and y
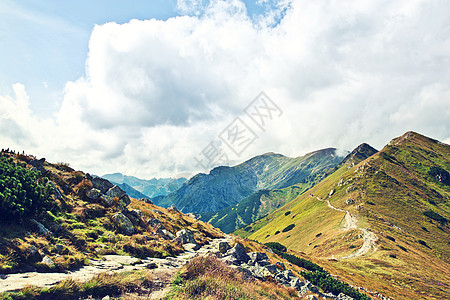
99, 286
209, 278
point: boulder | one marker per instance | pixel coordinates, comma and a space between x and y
56, 191
115, 191
280, 265
185, 236
224, 247
40, 228
191, 247
146, 200
169, 234
48, 261
238, 252
260, 272
331, 193
173, 208
154, 222
137, 213
122, 224
271, 268
101, 184
106, 201
257, 256
349, 201
93, 194
126, 199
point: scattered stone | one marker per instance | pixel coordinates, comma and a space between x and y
331, 193
48, 261
238, 253
59, 248
93, 194
157, 212
185, 236
257, 256
169, 234
123, 224
137, 213
272, 269
280, 265
106, 298
224, 247
146, 200
311, 297
40, 228
101, 184
173, 208
106, 201
115, 191
151, 266
190, 247
56, 191
349, 201
154, 222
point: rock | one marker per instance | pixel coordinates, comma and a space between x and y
137, 213
157, 212
56, 191
173, 208
343, 296
153, 222
331, 193
351, 189
106, 201
224, 247
126, 199
296, 283
311, 297
115, 191
151, 266
93, 194
101, 184
262, 263
169, 234
257, 256
38, 164
48, 261
59, 248
191, 247
271, 268
349, 201
185, 236
238, 253
123, 224
146, 200
260, 272
163, 233
40, 228
106, 298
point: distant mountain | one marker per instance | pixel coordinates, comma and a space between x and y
377, 218
130, 191
150, 188
226, 186
263, 202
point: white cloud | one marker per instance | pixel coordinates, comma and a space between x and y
157, 92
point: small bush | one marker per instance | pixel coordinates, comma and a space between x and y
392, 255
435, 216
352, 247
424, 229
403, 248
423, 243
370, 203
289, 227
319, 234
287, 213
277, 232
390, 238
276, 246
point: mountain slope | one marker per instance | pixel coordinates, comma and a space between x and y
150, 188
225, 186
385, 220
130, 191
263, 202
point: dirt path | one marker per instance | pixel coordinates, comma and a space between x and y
111, 263
351, 222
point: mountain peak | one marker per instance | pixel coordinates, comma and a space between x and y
359, 154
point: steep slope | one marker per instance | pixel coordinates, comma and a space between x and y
385, 221
225, 186
263, 202
150, 188
53, 218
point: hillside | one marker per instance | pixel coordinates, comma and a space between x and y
150, 188
382, 223
263, 202
226, 186
54, 218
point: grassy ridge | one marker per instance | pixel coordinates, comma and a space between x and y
393, 193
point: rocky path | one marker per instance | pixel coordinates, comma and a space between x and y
351, 222
110, 263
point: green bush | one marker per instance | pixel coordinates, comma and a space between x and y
435, 216
23, 193
289, 227
276, 246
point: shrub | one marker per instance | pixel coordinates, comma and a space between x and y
393, 255
277, 232
370, 203
440, 175
289, 227
287, 213
276, 246
423, 243
23, 193
403, 248
435, 216
390, 238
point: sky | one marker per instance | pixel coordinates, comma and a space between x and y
168, 88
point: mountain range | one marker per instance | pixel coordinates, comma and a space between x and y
382, 221
148, 188
226, 186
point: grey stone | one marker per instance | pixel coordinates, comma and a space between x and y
331, 193
125, 199
40, 228
257, 256
191, 247
151, 266
224, 247
280, 265
172, 207
123, 224
271, 268
48, 261
115, 191
185, 236
137, 213
101, 184
238, 253
154, 222
311, 297
170, 234
146, 200
262, 263
59, 248
157, 212
106, 298
349, 201
56, 191
106, 201
93, 194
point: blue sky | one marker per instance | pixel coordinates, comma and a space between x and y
145, 97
